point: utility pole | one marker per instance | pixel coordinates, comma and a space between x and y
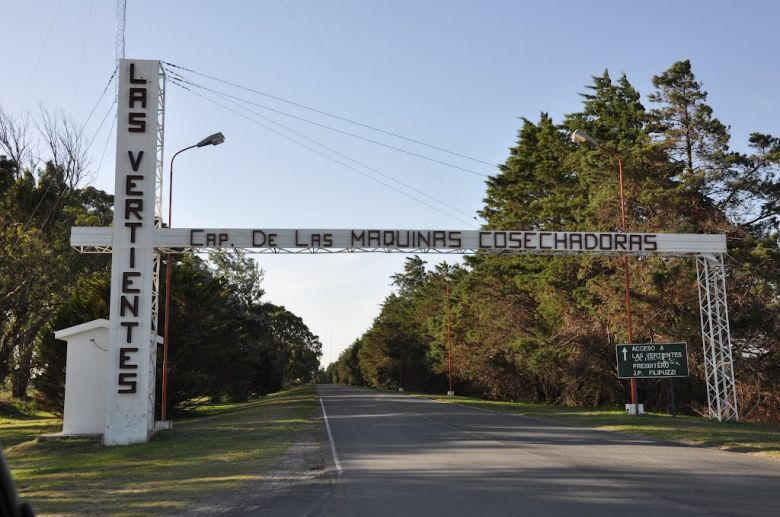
401, 365
449, 342
580, 137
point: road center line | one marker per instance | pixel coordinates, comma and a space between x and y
330, 438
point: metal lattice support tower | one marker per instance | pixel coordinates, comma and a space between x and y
158, 217
158, 211
158, 200
716, 338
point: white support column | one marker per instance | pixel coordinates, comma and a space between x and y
716, 338
132, 328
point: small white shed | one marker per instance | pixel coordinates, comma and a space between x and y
85, 378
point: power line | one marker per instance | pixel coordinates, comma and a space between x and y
97, 131
48, 187
89, 146
105, 147
324, 126
332, 115
43, 49
333, 60
301, 135
81, 58
314, 150
345, 73
92, 111
29, 220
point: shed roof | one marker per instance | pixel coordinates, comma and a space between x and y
80, 329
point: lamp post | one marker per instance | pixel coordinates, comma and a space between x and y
580, 137
215, 139
450, 392
401, 365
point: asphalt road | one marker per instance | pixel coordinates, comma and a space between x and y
399, 455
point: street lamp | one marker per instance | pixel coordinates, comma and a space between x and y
450, 392
215, 139
580, 137
401, 365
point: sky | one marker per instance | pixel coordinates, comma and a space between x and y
455, 74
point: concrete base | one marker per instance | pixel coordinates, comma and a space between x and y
631, 409
50, 437
450, 393
400, 389
161, 425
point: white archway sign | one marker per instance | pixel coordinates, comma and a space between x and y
137, 239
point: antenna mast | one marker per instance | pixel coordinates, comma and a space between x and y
121, 12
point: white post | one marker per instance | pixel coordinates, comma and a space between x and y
130, 380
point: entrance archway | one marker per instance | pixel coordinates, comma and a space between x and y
137, 240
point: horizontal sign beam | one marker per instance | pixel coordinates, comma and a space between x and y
414, 241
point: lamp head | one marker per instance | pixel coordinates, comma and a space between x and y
215, 139
580, 137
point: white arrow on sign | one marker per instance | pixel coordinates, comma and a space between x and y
662, 348
625, 354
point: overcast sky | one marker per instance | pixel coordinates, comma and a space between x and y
455, 74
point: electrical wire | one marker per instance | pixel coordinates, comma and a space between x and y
361, 164
43, 49
333, 59
319, 152
81, 58
29, 220
314, 150
61, 196
345, 72
332, 115
342, 155
324, 126
48, 187
105, 147
103, 94
97, 131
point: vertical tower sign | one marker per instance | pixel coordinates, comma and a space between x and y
131, 366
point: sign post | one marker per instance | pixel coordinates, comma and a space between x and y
652, 361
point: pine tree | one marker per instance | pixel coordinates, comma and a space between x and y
697, 142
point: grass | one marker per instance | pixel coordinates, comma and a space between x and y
221, 448
20, 422
14, 431
740, 437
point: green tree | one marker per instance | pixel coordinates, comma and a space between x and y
240, 272
225, 342
88, 299
347, 368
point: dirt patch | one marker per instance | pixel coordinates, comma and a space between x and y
307, 460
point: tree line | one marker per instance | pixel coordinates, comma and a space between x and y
544, 328
226, 341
